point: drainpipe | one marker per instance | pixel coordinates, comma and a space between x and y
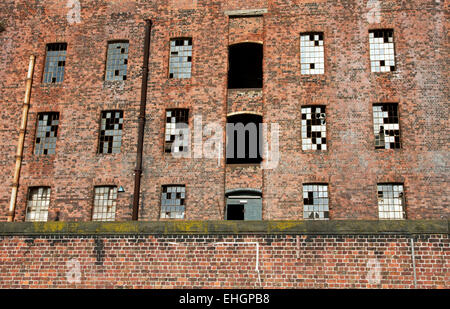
23, 127
140, 145
413, 256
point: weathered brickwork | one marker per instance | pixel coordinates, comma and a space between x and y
351, 166
224, 261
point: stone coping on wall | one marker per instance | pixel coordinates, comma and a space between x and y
337, 227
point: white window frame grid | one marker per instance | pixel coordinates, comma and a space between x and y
391, 201
309, 112
105, 203
312, 54
382, 51
117, 61
173, 208
180, 58
38, 202
116, 133
48, 125
176, 127
53, 71
320, 207
391, 131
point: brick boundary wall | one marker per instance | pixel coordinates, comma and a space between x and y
218, 254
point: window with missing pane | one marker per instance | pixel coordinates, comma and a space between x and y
312, 53
180, 62
117, 61
314, 128
37, 204
173, 202
111, 125
104, 203
46, 133
382, 54
386, 126
391, 201
176, 123
315, 202
55, 63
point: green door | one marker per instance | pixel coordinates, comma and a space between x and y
253, 209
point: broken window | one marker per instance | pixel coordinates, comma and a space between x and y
37, 204
180, 62
55, 62
243, 205
391, 201
386, 126
382, 57
176, 123
245, 66
312, 53
173, 202
46, 134
104, 203
244, 139
314, 129
117, 61
315, 202
111, 126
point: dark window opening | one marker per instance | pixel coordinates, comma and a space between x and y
244, 139
235, 212
245, 66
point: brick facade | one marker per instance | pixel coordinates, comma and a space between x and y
350, 166
325, 258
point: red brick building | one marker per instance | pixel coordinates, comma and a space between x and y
354, 96
358, 89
